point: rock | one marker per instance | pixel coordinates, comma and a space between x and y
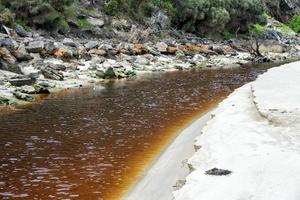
271, 46
99, 52
142, 61
58, 67
27, 89
124, 48
96, 21
180, 55
69, 42
112, 73
108, 74
218, 172
21, 57
162, 47
63, 53
35, 47
51, 73
22, 80
4, 100
22, 32
91, 45
139, 49
6, 55
121, 24
159, 21
35, 89
22, 96
9, 43
172, 50
15, 68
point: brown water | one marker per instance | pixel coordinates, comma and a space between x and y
92, 143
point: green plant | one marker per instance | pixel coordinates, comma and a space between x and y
285, 29
258, 29
7, 17
84, 23
295, 23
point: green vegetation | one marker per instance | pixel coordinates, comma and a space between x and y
285, 29
295, 23
258, 29
47, 14
197, 16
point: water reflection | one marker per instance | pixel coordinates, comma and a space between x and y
91, 143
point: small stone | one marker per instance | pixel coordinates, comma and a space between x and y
69, 42
162, 47
91, 45
35, 47
218, 172
63, 53
22, 96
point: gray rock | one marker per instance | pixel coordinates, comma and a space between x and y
218, 172
69, 42
15, 68
96, 22
35, 89
112, 73
22, 96
91, 45
35, 46
160, 21
142, 61
52, 73
22, 32
27, 89
21, 57
22, 80
9, 43
4, 100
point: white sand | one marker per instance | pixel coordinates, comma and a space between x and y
158, 182
256, 134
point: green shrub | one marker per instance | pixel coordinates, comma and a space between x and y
7, 17
258, 29
295, 23
206, 15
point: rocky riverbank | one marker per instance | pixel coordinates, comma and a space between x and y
34, 63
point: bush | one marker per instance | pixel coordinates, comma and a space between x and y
295, 23
6, 17
202, 16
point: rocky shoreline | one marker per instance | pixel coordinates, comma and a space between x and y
31, 63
